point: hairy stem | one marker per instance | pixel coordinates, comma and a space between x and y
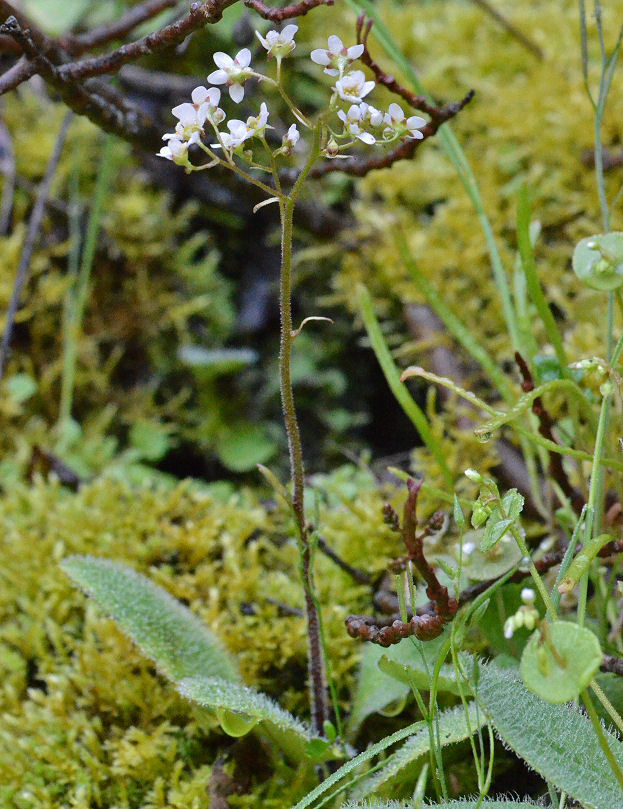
316, 663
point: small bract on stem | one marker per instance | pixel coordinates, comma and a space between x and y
346, 121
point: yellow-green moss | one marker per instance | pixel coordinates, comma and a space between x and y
86, 721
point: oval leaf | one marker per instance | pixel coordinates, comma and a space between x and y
558, 741
558, 667
178, 642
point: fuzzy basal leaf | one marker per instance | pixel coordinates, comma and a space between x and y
253, 707
166, 631
558, 741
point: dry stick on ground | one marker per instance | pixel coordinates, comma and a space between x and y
556, 469
425, 626
32, 231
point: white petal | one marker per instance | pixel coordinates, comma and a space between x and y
415, 133
341, 115
354, 52
169, 135
236, 92
366, 137
186, 113
367, 88
331, 71
243, 57
335, 44
395, 112
415, 122
223, 60
199, 94
288, 32
218, 77
262, 40
320, 57
165, 152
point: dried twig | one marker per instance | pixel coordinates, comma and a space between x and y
425, 626
116, 29
360, 576
287, 12
32, 231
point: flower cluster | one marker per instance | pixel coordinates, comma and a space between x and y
360, 120
527, 615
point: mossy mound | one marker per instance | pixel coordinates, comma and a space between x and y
95, 725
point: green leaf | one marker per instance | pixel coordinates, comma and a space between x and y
482, 566
243, 446
184, 650
513, 503
217, 361
598, 261
462, 804
252, 707
375, 690
166, 631
494, 531
151, 439
409, 674
560, 665
453, 727
558, 741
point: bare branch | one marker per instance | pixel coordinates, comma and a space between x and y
17, 74
101, 103
116, 29
200, 14
287, 12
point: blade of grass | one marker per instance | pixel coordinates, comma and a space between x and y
454, 325
78, 295
534, 287
457, 156
392, 375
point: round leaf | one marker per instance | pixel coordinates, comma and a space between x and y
598, 261
559, 665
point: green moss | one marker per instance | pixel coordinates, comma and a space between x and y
96, 725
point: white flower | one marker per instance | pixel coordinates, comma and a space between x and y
353, 87
397, 124
258, 124
290, 139
175, 150
371, 114
206, 103
336, 58
352, 123
237, 134
232, 72
279, 44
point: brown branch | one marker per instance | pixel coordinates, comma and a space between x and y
17, 74
116, 29
32, 232
423, 626
287, 12
200, 14
556, 469
99, 102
